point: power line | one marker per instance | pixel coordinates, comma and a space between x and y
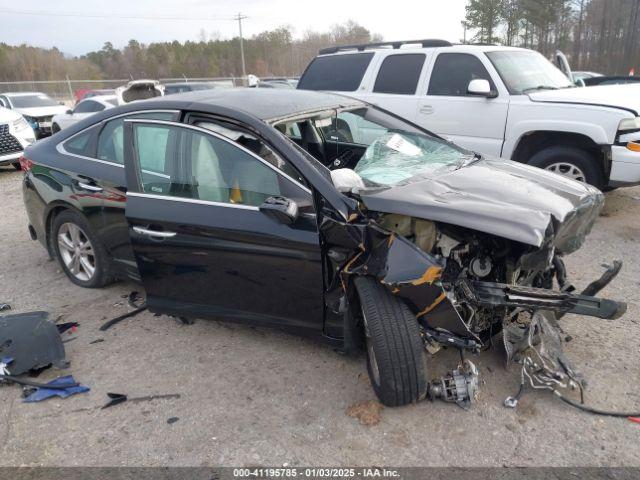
125, 17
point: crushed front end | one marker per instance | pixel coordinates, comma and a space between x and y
466, 285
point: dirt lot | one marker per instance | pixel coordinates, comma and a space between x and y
256, 397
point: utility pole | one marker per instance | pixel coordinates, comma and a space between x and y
464, 26
241, 17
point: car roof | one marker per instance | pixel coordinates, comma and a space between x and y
264, 103
100, 98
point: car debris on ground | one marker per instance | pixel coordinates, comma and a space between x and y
62, 387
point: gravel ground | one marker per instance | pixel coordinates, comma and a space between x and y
257, 397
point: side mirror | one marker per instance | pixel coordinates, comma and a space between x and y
69, 112
280, 209
580, 83
481, 88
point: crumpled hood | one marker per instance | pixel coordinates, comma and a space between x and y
38, 112
500, 197
626, 96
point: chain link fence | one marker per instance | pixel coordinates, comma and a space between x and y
67, 91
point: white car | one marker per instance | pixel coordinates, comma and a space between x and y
15, 135
37, 109
82, 110
500, 101
139, 90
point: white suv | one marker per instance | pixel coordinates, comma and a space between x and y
499, 101
15, 135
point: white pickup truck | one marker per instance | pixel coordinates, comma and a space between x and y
499, 101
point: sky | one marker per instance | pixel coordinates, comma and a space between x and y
80, 26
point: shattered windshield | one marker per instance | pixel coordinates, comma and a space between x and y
397, 158
393, 151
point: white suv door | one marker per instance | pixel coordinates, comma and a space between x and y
397, 78
448, 109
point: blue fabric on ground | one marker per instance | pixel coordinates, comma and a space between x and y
44, 393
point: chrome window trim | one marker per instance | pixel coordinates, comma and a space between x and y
191, 200
60, 146
206, 131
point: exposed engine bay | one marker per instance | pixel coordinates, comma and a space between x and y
466, 286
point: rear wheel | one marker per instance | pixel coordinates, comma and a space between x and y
80, 253
570, 162
395, 353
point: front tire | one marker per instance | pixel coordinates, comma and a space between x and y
79, 251
55, 128
17, 166
570, 162
395, 352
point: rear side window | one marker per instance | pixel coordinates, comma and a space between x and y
80, 143
453, 72
340, 73
399, 74
111, 139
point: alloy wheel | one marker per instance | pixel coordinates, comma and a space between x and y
568, 170
76, 251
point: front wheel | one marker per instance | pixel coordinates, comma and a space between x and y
570, 162
55, 128
17, 165
80, 253
395, 352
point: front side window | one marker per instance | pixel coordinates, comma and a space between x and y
252, 143
524, 71
349, 127
399, 74
111, 139
191, 164
453, 72
340, 73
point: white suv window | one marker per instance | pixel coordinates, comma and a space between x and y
399, 74
453, 72
340, 73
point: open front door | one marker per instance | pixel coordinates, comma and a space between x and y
203, 246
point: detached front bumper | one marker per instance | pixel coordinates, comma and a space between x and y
625, 167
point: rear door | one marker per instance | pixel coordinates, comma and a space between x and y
445, 108
396, 82
203, 247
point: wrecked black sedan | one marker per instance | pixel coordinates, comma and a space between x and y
322, 215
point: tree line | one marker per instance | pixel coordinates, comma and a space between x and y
597, 35
270, 53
